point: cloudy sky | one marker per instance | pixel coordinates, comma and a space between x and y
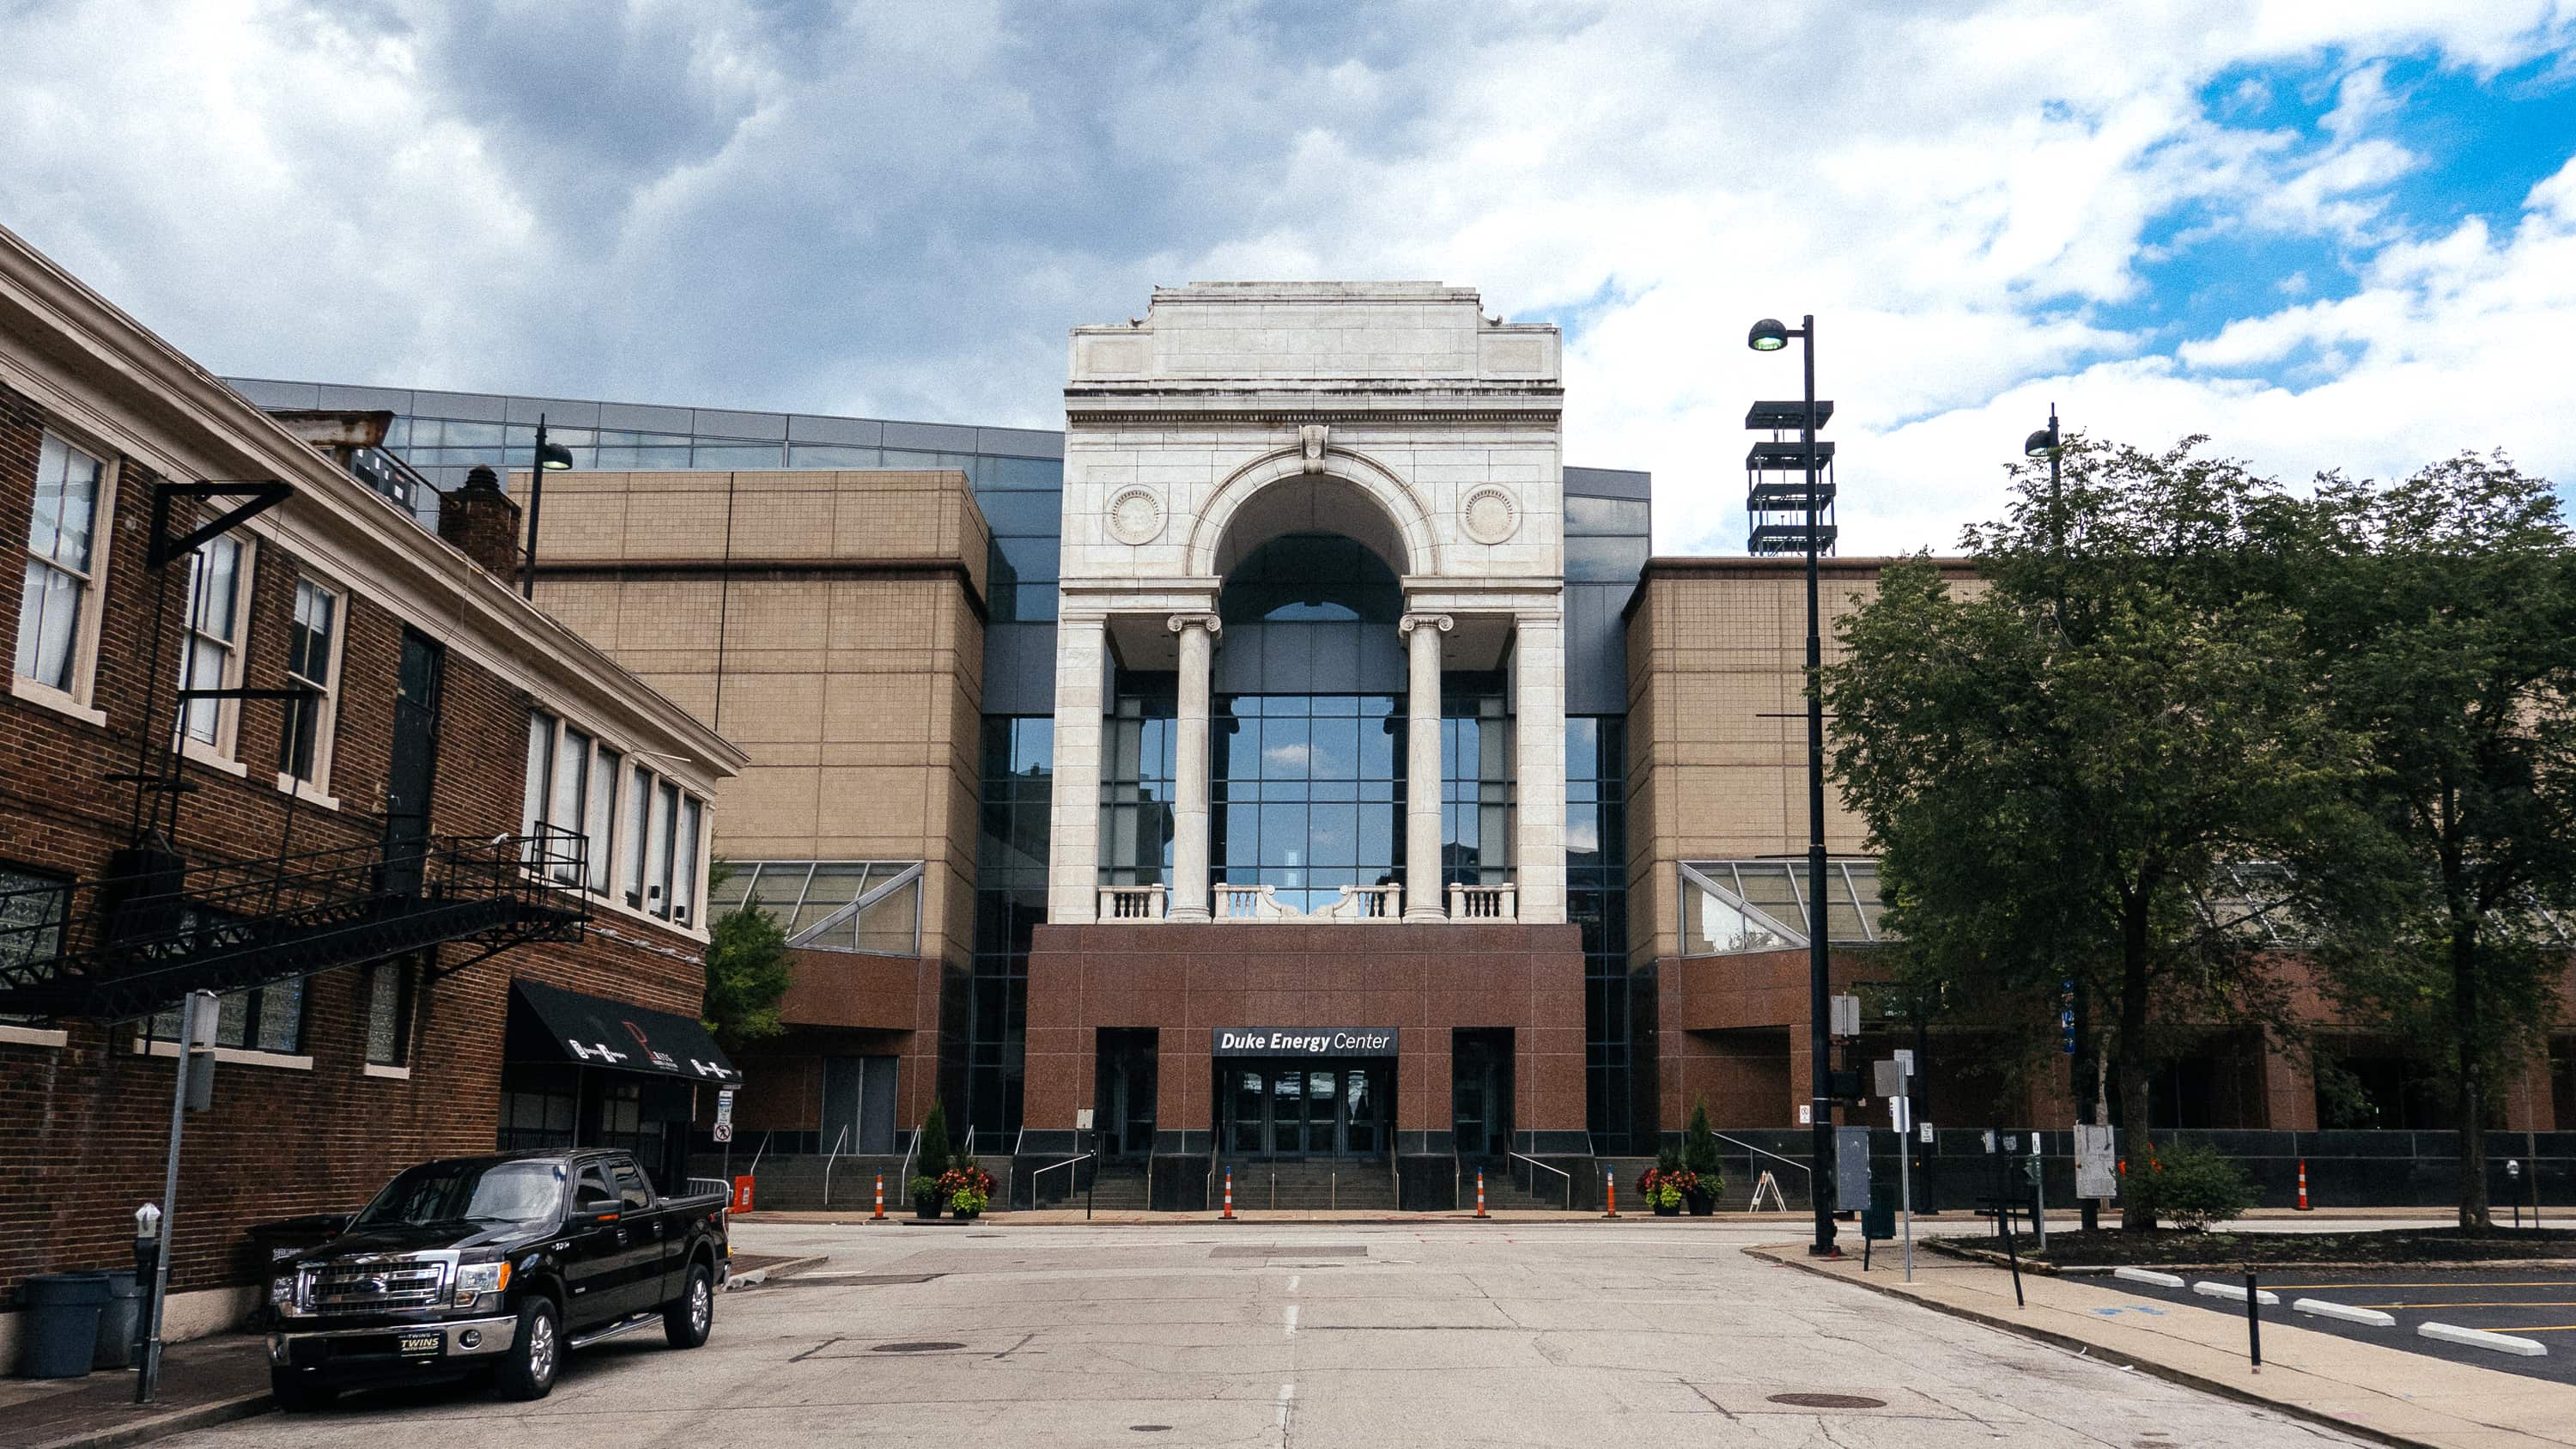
2331, 233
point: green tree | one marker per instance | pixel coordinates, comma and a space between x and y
931, 1158
747, 972
2055, 762
2442, 617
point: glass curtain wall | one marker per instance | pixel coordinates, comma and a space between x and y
1308, 794
1138, 747
1010, 903
1596, 878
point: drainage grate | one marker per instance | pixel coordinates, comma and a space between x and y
850, 1280
1828, 1401
1288, 1250
923, 1346
1149, 1428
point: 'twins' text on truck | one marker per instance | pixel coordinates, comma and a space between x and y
494, 1265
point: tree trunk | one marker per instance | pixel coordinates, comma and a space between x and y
2474, 1213
2136, 1145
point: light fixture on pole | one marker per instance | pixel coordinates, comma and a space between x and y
1767, 503
550, 458
2050, 443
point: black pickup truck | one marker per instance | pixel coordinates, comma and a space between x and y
496, 1266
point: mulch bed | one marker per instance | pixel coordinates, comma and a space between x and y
2170, 1248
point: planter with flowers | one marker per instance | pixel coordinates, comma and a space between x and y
927, 1199
1667, 1189
966, 1188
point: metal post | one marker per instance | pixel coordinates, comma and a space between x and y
2079, 1062
1905, 1173
1819, 1045
148, 1381
536, 507
2038, 1190
2253, 1321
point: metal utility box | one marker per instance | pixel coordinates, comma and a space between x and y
1851, 1169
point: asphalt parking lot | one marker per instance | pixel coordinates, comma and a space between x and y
2536, 1304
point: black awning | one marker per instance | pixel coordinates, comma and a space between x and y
597, 1032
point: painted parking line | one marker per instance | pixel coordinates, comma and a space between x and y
2494, 1303
2544, 1283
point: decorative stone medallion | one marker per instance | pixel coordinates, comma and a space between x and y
1490, 515
1135, 516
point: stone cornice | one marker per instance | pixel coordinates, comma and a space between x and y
78, 354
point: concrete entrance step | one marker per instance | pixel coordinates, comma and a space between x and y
1313, 1185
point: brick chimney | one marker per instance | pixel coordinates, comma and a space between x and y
480, 519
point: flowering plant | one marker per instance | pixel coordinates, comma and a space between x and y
967, 1187
1667, 1187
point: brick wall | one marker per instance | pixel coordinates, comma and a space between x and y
89, 1120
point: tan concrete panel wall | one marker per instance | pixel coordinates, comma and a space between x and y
1717, 734
857, 694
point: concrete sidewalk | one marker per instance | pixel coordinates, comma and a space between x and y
2385, 1393
204, 1381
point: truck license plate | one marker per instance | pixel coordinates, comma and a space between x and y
415, 1344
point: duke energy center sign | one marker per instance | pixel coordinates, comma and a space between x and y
1304, 1041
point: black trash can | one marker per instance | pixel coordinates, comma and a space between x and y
119, 1319
62, 1324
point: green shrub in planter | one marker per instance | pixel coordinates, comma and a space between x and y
932, 1157
2188, 1185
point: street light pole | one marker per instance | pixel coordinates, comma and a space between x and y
1768, 335
1819, 1042
2079, 1053
549, 457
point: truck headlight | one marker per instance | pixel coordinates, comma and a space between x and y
286, 1294
473, 1280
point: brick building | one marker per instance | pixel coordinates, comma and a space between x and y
441, 858
1297, 687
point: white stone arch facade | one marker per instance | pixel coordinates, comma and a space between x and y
1395, 413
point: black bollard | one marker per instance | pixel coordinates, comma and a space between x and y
2253, 1321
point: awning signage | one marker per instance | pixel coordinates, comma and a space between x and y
1305, 1041
598, 1032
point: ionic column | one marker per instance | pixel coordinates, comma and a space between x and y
1190, 766
1538, 778
1073, 827
1422, 894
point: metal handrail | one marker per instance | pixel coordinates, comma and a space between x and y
710, 1184
835, 1156
1766, 1152
1559, 1171
903, 1174
1036, 1176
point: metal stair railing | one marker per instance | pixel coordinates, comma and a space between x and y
1539, 1167
128, 945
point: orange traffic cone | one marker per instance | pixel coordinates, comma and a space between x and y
2303, 1184
1229, 1197
1480, 1192
1610, 1186
880, 1213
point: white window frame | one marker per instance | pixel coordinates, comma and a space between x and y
631, 868
326, 710
223, 751
75, 700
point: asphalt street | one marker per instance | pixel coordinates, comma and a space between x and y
1384, 1335
2536, 1304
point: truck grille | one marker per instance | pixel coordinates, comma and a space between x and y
378, 1287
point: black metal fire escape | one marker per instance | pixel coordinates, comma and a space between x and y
156, 926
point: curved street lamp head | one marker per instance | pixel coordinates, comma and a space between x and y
2040, 444
1767, 336
553, 457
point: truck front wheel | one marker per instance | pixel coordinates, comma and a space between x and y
687, 1318
527, 1371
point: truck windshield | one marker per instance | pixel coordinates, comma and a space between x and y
467, 1192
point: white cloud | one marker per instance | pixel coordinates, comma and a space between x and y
900, 208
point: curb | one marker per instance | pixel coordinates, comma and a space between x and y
754, 1277
177, 1421
2099, 1354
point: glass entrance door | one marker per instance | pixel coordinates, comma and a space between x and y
1304, 1111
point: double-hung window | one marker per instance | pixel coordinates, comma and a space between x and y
312, 660
389, 998
262, 1018
57, 600
639, 831
218, 579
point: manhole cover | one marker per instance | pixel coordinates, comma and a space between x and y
924, 1346
1828, 1401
